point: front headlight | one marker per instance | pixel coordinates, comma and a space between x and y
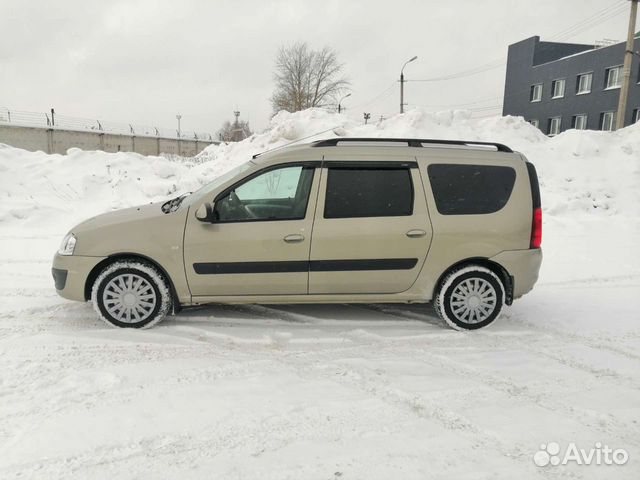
68, 245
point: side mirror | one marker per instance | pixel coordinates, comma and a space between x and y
204, 213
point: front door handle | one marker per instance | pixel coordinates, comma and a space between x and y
416, 233
294, 238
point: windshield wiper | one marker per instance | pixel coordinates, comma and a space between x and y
173, 204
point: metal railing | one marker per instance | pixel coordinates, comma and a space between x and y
64, 122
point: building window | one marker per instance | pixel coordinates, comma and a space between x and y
636, 115
607, 121
584, 83
535, 122
579, 122
557, 88
536, 92
554, 125
613, 77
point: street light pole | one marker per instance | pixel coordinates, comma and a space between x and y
626, 69
340, 102
402, 82
178, 117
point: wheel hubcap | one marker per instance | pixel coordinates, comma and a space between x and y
473, 300
129, 298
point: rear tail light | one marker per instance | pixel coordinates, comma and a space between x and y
536, 229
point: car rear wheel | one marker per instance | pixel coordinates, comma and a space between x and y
470, 297
131, 294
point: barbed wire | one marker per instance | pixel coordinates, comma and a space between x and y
65, 122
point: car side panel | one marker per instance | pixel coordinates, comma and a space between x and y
157, 237
382, 242
461, 237
250, 243
523, 265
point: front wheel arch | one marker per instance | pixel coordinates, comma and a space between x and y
95, 272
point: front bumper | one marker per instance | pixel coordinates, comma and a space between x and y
70, 273
59, 278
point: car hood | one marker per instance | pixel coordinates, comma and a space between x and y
144, 230
125, 215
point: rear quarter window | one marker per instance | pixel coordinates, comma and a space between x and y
470, 189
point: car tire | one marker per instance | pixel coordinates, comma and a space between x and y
469, 298
131, 294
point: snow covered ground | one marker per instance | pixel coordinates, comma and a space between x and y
324, 391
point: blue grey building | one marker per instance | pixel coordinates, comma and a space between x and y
558, 86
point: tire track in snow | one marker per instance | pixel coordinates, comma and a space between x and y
380, 388
557, 335
234, 434
499, 342
512, 389
576, 339
619, 279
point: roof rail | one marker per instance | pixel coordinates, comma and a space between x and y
412, 142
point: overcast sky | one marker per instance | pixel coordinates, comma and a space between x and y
142, 61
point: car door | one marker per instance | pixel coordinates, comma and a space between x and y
259, 241
372, 231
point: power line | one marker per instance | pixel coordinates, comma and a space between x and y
596, 18
464, 73
467, 104
485, 116
592, 20
599, 17
376, 98
489, 107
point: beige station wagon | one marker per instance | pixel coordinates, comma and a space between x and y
345, 220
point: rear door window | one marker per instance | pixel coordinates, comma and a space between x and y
470, 189
368, 192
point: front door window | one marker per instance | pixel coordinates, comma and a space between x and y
277, 194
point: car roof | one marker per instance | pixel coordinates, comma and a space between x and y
367, 148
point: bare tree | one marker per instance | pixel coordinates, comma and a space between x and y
306, 78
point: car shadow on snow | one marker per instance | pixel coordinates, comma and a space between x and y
276, 325
312, 314
266, 317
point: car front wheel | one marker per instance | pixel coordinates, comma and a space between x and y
470, 297
131, 294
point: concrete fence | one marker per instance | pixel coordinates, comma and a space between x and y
54, 133
59, 140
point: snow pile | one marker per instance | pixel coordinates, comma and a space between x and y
581, 172
41, 189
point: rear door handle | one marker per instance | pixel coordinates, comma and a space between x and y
294, 238
416, 233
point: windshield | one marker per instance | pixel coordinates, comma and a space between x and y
216, 182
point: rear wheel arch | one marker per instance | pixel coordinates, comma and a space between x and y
499, 270
95, 272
